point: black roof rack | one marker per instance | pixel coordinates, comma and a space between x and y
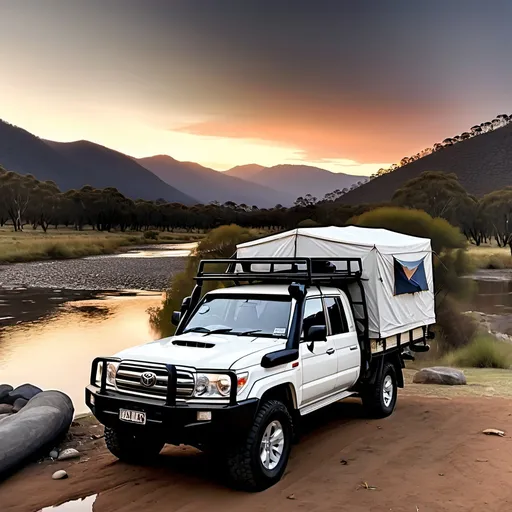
300, 270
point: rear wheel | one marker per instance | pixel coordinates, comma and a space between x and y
260, 460
136, 448
380, 399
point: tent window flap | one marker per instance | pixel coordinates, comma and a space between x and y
409, 276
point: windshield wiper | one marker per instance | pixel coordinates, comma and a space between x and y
207, 331
218, 331
246, 333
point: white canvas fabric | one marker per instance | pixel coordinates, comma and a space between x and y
387, 314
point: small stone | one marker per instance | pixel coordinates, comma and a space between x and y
19, 403
290, 497
493, 432
54, 454
59, 475
482, 460
68, 453
440, 375
5, 389
343, 462
441, 474
6, 409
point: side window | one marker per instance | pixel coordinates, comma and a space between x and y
336, 314
313, 314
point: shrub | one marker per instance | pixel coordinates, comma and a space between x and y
308, 223
444, 236
150, 235
484, 351
456, 329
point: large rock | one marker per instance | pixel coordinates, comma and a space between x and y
26, 391
6, 409
5, 389
440, 375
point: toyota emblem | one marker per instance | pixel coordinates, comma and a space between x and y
148, 379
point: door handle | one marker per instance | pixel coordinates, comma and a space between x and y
330, 351
354, 347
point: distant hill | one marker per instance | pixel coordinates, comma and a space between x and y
109, 168
75, 164
482, 164
209, 185
296, 180
24, 153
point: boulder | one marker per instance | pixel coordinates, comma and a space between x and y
5, 389
6, 409
440, 375
26, 391
19, 403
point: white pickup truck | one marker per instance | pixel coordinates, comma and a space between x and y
247, 362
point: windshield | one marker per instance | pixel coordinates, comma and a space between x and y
242, 316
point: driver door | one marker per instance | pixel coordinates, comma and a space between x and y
319, 362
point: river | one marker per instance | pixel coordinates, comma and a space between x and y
57, 316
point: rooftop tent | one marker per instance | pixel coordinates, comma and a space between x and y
397, 269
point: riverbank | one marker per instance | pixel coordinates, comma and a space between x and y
340, 451
63, 243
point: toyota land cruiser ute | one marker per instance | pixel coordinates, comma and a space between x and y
287, 336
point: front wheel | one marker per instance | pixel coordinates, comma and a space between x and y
260, 460
380, 399
136, 448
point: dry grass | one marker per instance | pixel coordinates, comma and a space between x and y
33, 245
490, 257
480, 382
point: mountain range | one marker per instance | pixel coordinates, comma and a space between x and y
482, 164
72, 165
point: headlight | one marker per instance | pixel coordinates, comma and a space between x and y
217, 385
111, 373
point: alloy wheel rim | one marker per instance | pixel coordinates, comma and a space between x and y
387, 390
272, 445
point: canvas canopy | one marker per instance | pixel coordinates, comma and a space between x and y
397, 269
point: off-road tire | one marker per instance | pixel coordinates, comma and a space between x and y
135, 448
373, 397
244, 465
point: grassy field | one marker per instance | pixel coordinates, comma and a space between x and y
490, 257
64, 243
480, 382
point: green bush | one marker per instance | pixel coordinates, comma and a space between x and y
444, 236
150, 235
308, 223
484, 351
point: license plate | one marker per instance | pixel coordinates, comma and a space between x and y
132, 416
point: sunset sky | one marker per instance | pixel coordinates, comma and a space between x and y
345, 85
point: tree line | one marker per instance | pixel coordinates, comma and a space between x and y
25, 201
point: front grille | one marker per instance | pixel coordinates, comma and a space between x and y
128, 380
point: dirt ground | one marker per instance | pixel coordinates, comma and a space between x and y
430, 455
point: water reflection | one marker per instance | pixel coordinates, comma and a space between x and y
80, 505
57, 353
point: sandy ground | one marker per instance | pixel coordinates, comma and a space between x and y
430, 455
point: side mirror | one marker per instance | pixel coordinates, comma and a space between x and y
175, 319
316, 333
185, 304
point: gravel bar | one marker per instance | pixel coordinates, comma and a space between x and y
94, 273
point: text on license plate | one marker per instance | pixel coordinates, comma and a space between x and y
132, 416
